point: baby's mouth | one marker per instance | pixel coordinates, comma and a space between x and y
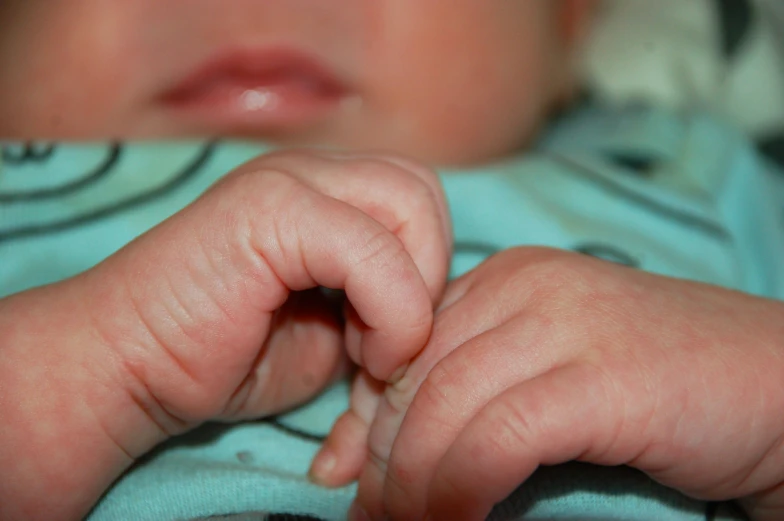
257, 90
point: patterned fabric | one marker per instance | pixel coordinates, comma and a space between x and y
671, 193
724, 55
259, 516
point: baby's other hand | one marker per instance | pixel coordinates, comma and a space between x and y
540, 357
215, 314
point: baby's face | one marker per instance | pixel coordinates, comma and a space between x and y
451, 81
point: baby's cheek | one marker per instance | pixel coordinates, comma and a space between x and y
462, 81
461, 113
75, 73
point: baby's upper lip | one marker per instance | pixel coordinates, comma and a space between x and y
249, 68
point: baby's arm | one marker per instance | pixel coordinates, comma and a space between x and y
193, 320
540, 357
68, 426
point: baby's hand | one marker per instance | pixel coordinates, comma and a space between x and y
196, 320
540, 357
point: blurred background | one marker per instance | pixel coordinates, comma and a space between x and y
726, 55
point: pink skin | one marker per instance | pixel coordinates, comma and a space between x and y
172, 338
431, 80
590, 361
435, 83
179, 327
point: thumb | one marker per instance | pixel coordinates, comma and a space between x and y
303, 355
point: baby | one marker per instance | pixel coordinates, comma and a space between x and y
136, 315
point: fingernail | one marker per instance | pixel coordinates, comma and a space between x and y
322, 466
357, 513
398, 375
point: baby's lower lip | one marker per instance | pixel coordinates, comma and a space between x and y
256, 92
264, 107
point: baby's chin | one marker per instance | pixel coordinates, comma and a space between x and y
441, 147
432, 142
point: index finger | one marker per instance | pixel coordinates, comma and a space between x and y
311, 239
557, 417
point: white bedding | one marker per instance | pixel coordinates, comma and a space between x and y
671, 51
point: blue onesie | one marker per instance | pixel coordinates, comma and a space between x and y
676, 194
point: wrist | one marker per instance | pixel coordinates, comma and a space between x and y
70, 428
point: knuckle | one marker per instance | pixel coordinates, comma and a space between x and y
401, 477
398, 472
383, 248
253, 221
377, 459
399, 398
437, 397
431, 396
424, 174
423, 184
509, 427
415, 180
533, 259
239, 196
267, 195
541, 274
255, 177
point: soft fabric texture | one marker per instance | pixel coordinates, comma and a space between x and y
673, 193
724, 55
